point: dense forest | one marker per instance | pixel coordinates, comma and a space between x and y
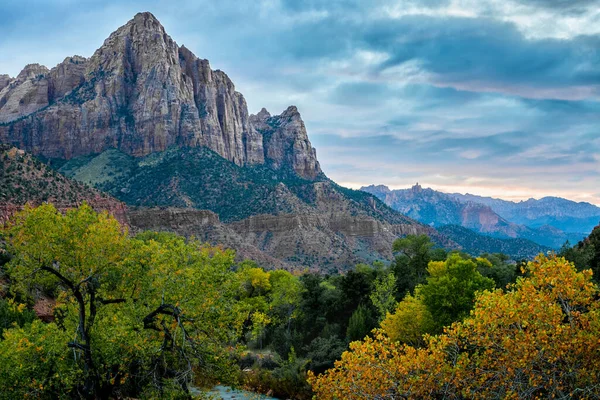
155, 315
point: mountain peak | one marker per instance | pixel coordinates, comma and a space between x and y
141, 93
142, 38
263, 114
31, 71
146, 20
291, 112
375, 189
4, 80
416, 188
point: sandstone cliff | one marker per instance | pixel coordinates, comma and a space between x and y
319, 241
141, 93
203, 225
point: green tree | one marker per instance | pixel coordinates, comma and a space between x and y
410, 266
323, 352
449, 293
136, 315
285, 297
12, 313
359, 325
498, 267
582, 255
319, 312
355, 288
383, 295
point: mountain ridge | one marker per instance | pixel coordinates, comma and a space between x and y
141, 93
440, 209
301, 222
561, 213
26, 181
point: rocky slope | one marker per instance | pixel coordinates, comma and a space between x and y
320, 242
203, 225
25, 180
142, 93
439, 209
300, 222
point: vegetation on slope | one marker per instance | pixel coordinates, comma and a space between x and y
476, 244
200, 178
586, 253
539, 339
25, 179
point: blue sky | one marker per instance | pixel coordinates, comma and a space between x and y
498, 97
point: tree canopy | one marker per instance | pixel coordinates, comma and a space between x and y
539, 339
132, 314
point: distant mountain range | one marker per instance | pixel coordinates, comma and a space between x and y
562, 214
493, 217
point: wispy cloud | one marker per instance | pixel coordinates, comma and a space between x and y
498, 97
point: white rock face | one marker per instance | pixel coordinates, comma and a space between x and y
25, 94
141, 93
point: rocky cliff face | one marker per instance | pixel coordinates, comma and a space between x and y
25, 94
141, 93
322, 242
4, 81
203, 225
286, 142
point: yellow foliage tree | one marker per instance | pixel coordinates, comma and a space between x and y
409, 323
537, 340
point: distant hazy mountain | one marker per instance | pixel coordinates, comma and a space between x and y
439, 209
563, 214
476, 244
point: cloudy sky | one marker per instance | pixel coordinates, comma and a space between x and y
493, 97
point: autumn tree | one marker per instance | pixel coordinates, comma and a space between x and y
410, 321
539, 339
